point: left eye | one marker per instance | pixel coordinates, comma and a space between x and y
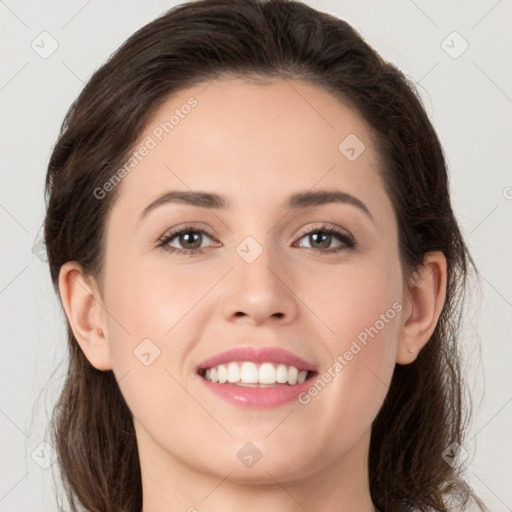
324, 236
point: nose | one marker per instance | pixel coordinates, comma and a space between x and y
260, 292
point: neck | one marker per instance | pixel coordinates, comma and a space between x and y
171, 484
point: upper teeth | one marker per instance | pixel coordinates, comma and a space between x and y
251, 373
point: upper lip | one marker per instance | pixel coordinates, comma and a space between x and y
258, 355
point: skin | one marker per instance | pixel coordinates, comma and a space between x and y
256, 145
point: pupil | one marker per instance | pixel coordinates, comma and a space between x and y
185, 238
324, 237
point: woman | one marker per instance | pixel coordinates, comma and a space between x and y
299, 353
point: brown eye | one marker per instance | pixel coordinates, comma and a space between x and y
320, 241
187, 240
321, 238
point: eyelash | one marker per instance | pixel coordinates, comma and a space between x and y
348, 241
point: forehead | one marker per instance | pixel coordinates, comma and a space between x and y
242, 139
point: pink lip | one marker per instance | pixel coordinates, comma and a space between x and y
259, 397
263, 398
258, 355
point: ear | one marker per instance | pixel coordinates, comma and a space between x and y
424, 301
82, 302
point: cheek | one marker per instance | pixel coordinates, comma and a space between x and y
147, 317
155, 314
362, 310
149, 299
368, 316
360, 302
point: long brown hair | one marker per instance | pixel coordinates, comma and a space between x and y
424, 411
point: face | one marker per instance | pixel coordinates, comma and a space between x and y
319, 279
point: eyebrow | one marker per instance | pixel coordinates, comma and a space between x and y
215, 201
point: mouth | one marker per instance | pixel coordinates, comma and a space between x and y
259, 375
258, 378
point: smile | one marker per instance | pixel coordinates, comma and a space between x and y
251, 374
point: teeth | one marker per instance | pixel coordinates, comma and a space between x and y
250, 373
302, 376
267, 374
223, 373
282, 374
292, 375
233, 372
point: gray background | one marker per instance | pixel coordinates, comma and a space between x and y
469, 100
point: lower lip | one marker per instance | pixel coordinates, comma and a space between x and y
264, 398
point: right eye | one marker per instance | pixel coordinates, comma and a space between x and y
186, 235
